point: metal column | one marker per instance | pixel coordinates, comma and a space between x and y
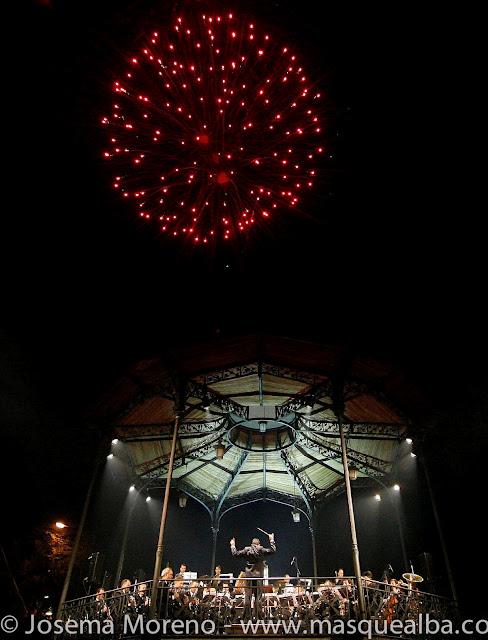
162, 526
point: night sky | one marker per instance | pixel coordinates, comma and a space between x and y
391, 262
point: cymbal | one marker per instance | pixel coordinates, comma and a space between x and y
412, 577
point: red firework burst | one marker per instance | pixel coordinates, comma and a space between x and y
215, 127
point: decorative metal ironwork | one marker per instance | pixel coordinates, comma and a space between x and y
197, 390
155, 466
318, 461
230, 481
258, 495
163, 430
369, 464
303, 399
277, 371
353, 430
313, 607
307, 488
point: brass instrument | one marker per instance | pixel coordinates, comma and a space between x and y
412, 577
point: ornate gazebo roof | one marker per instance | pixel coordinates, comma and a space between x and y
268, 400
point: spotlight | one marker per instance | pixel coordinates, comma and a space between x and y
353, 472
413, 455
295, 514
219, 450
408, 440
60, 525
182, 498
132, 487
262, 426
148, 499
377, 497
396, 487
115, 440
110, 456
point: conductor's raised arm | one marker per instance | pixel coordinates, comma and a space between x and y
234, 551
272, 545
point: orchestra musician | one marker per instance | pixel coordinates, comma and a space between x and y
167, 574
216, 582
125, 594
166, 582
102, 610
391, 601
281, 584
255, 554
240, 584
142, 600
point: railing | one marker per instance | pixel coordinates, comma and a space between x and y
230, 603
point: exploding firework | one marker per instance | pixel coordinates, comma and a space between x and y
214, 129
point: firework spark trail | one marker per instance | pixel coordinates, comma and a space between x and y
214, 128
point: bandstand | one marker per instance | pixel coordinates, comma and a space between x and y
262, 418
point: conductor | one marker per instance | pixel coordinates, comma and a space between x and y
254, 568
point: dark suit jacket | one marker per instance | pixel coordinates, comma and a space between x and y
255, 557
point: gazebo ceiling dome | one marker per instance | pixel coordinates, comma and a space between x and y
269, 401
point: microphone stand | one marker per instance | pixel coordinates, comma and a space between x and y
297, 569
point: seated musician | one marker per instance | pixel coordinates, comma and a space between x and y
142, 600
216, 582
125, 585
167, 574
194, 590
280, 585
368, 579
238, 589
102, 610
394, 586
390, 601
340, 580
125, 593
166, 584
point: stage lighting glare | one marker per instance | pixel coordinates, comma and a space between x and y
148, 499
409, 440
295, 514
413, 455
115, 440
60, 525
377, 497
396, 487
132, 487
110, 456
